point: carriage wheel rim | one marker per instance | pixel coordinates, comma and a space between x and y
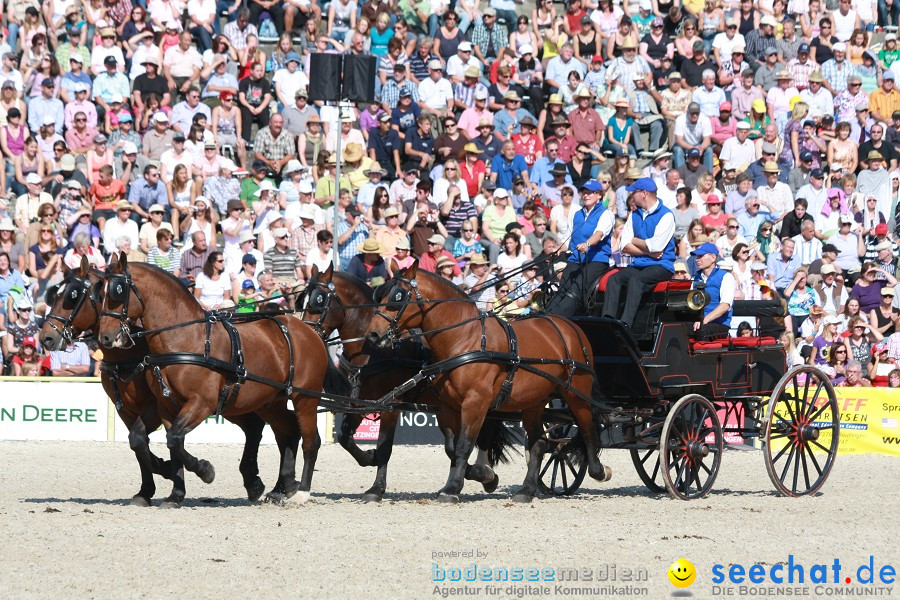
564, 475
691, 462
796, 432
646, 458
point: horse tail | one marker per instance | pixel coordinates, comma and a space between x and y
336, 383
498, 440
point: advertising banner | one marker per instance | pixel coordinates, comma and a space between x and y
77, 409
869, 421
53, 409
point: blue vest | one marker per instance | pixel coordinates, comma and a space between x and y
714, 288
583, 227
644, 227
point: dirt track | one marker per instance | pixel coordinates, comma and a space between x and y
66, 531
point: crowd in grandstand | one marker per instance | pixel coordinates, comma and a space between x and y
182, 134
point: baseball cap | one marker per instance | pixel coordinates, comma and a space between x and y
248, 283
693, 107
693, 153
704, 249
33, 178
817, 173
248, 259
829, 248
437, 239
881, 229
806, 156
644, 184
591, 185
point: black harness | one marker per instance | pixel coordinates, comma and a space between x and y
399, 299
119, 288
74, 294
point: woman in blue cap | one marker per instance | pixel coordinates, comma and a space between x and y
649, 237
590, 247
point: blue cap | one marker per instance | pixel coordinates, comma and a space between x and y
125, 118
292, 56
249, 259
705, 248
620, 151
248, 285
804, 47
694, 153
817, 173
806, 155
591, 185
644, 184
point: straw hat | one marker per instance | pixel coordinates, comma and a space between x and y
353, 152
370, 246
445, 261
479, 259
471, 148
771, 167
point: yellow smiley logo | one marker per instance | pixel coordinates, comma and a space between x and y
682, 573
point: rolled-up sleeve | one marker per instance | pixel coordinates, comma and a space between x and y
665, 230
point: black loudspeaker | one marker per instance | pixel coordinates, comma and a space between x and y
359, 78
325, 77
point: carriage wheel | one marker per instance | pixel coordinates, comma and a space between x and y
562, 471
646, 460
690, 448
802, 420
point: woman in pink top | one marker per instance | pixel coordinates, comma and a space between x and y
98, 156
724, 126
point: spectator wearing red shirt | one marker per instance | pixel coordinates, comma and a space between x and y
527, 143
428, 260
472, 169
716, 218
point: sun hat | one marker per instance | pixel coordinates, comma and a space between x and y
479, 259
445, 261
437, 239
827, 270
402, 244
370, 246
246, 237
887, 291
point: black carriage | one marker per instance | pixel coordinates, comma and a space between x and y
676, 403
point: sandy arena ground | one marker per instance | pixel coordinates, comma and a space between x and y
66, 530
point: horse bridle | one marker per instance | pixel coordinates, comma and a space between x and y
76, 292
399, 298
318, 302
118, 288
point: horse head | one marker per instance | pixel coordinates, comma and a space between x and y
121, 305
74, 306
322, 306
401, 308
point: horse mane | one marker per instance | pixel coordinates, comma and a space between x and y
452, 290
362, 287
165, 273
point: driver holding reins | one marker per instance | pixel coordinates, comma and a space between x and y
590, 247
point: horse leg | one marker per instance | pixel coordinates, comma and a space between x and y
535, 446
581, 411
305, 408
139, 442
364, 458
252, 425
175, 473
192, 414
448, 422
382, 454
287, 435
470, 424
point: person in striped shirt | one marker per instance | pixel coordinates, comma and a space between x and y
164, 255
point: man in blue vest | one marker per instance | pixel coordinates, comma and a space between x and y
720, 286
649, 238
590, 250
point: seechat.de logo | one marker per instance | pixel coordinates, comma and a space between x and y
682, 573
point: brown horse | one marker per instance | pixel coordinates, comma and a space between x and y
342, 302
74, 309
533, 360
202, 362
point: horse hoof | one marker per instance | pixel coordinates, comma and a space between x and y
523, 498
300, 497
276, 498
607, 474
206, 472
491, 486
371, 497
448, 498
256, 490
170, 504
138, 500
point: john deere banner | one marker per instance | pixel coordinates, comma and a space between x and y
869, 421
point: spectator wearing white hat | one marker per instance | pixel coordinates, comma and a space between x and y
222, 187
155, 223
436, 92
130, 165
158, 139
462, 61
47, 138
121, 225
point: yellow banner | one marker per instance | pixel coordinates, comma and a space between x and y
870, 420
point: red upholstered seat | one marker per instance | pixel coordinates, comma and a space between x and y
662, 286
767, 341
744, 342
696, 345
